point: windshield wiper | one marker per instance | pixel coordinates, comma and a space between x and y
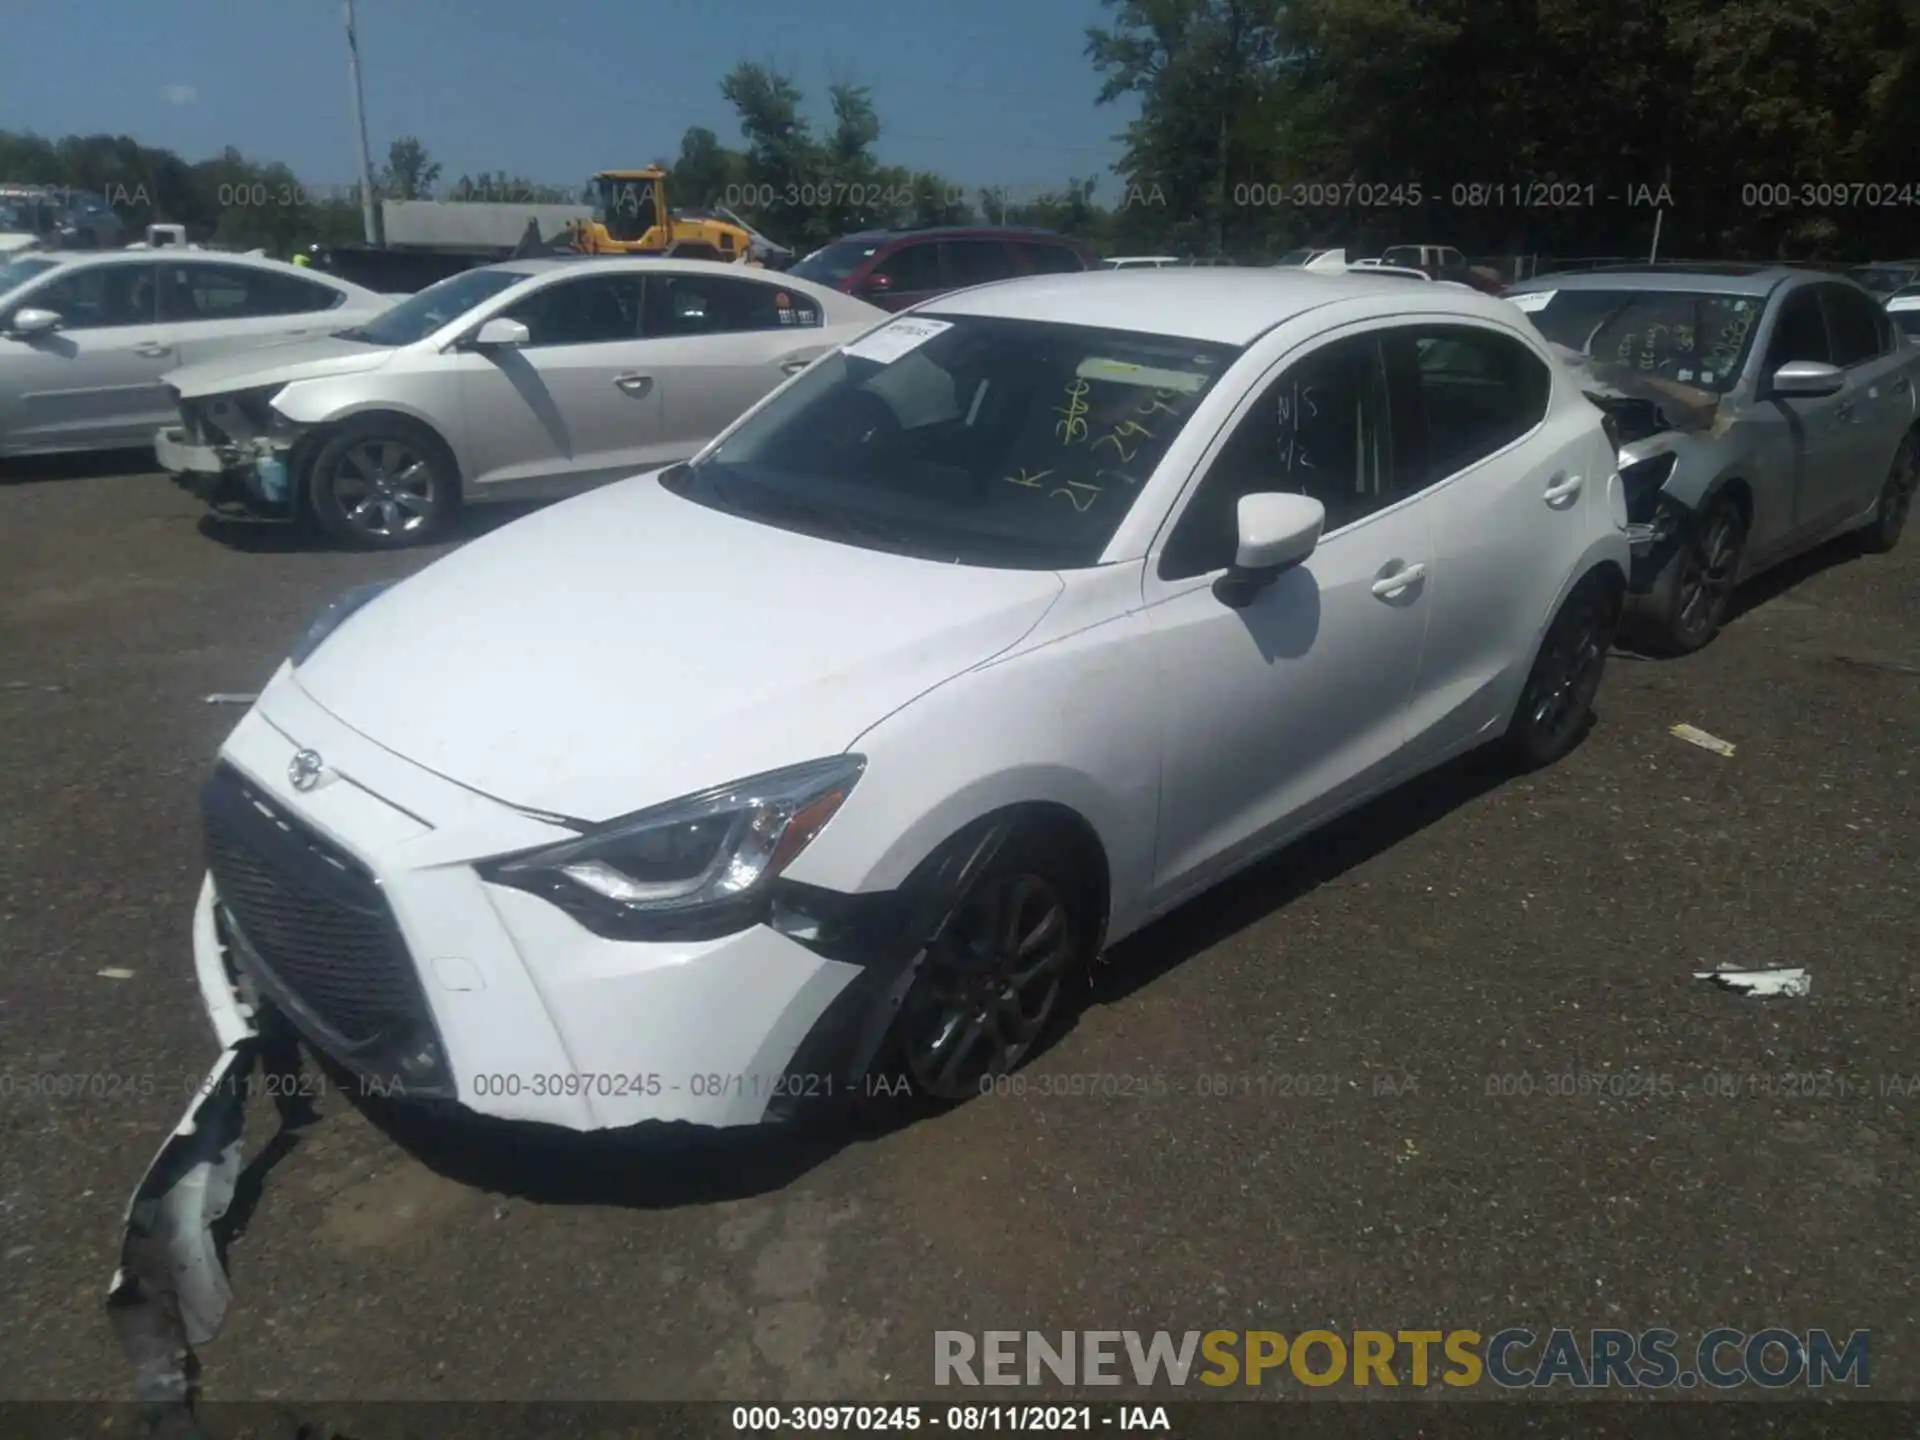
829, 523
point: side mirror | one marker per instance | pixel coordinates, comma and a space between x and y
33, 322
1808, 378
501, 334
1276, 532
876, 285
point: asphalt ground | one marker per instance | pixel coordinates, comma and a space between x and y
1477, 942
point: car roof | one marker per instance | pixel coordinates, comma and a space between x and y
590, 264
1223, 307
1709, 279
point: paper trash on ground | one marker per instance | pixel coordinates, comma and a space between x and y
1790, 984
1694, 736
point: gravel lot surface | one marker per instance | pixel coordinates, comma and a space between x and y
1467, 936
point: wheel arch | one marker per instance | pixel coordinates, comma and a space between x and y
368, 414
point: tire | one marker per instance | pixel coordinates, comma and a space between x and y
1555, 709
1896, 499
382, 483
1700, 580
1001, 975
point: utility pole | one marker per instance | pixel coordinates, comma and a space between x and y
369, 213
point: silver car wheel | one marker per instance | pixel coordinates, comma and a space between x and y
384, 487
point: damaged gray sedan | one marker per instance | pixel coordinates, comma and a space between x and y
1757, 412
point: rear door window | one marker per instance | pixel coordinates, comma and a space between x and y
912, 267
1043, 259
724, 305
979, 262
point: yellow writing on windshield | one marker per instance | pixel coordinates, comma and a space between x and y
1032, 482
1119, 435
1157, 404
1073, 428
1082, 493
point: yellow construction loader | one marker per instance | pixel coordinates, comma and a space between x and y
631, 217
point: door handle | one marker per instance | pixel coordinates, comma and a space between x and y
1844, 410
1388, 586
794, 366
1902, 385
1563, 487
634, 385
152, 349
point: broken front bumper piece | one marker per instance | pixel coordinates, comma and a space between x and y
170, 1292
252, 476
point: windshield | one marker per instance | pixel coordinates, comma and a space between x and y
985, 441
15, 273
833, 265
1296, 257
625, 207
19, 217
1678, 336
436, 306
1908, 321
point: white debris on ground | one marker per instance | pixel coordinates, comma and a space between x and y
1695, 736
1789, 984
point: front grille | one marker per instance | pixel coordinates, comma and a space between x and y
315, 931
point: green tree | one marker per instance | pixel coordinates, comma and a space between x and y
410, 173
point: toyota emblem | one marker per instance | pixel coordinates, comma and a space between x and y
304, 770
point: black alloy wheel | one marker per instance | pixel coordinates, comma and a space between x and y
991, 983
1707, 568
1896, 499
1556, 706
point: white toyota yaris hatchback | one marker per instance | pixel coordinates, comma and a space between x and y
839, 750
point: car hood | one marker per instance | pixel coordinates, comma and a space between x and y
629, 646
278, 362
12, 241
1666, 404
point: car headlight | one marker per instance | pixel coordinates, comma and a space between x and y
334, 616
696, 867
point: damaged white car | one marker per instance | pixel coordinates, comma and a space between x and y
842, 750
1759, 411
999, 632
525, 379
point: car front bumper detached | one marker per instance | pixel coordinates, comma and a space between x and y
254, 480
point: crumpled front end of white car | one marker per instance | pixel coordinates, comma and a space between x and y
233, 451
348, 888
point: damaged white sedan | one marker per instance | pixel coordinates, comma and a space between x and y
844, 748
525, 379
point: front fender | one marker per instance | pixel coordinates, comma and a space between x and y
1074, 723
329, 402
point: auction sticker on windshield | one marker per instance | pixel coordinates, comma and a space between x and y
890, 342
1538, 300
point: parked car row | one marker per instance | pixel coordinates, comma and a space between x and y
911, 659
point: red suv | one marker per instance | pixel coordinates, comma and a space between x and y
895, 269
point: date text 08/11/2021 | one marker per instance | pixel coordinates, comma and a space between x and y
959, 1419
1464, 195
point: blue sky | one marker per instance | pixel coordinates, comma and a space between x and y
987, 92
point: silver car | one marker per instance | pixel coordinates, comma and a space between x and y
86, 336
1758, 411
529, 378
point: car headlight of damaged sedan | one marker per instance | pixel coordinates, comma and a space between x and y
692, 868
